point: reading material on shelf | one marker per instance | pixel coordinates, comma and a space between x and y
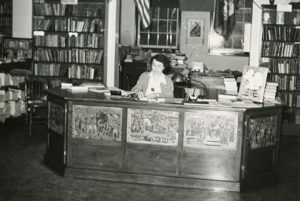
69, 39
297, 116
17, 48
271, 90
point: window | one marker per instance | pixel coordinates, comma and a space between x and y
235, 42
163, 30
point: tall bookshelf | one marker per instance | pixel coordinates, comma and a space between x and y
68, 39
6, 17
280, 52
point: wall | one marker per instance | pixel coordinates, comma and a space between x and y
128, 32
127, 22
22, 19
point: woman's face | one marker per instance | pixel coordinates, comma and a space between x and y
157, 66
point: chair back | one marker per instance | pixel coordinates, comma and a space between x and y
35, 89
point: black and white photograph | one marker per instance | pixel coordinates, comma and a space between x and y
149, 100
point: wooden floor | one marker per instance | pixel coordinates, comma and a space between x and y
24, 177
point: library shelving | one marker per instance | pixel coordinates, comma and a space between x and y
280, 52
17, 48
6, 17
12, 88
68, 39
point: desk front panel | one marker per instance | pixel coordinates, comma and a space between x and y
155, 140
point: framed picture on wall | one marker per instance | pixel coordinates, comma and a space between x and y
194, 31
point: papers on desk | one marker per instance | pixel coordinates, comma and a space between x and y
240, 104
99, 90
85, 87
78, 89
65, 85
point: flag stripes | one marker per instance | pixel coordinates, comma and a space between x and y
144, 11
224, 18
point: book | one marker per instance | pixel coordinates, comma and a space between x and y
253, 83
78, 89
227, 97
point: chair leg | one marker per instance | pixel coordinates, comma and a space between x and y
30, 123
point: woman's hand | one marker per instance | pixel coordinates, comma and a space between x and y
153, 95
140, 95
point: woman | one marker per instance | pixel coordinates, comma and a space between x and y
155, 84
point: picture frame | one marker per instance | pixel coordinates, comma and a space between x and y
194, 31
253, 83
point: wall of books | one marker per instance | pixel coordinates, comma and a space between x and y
280, 52
6, 17
69, 39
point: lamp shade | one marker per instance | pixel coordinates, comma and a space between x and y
178, 77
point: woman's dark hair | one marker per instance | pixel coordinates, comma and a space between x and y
163, 59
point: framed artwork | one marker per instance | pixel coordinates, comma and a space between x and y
194, 31
152, 127
253, 83
262, 132
56, 118
210, 130
97, 122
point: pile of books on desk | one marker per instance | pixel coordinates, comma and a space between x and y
230, 85
85, 87
270, 90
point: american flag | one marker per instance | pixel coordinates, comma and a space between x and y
225, 16
144, 11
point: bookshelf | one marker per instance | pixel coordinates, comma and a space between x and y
68, 39
17, 48
280, 52
6, 17
12, 88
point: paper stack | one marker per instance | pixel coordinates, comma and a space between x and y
66, 85
180, 58
78, 89
226, 97
2, 79
2, 95
230, 85
270, 91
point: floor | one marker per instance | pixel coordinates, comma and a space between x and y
24, 177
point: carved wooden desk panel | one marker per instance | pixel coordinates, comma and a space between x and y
92, 136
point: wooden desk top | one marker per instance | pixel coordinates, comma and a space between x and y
104, 99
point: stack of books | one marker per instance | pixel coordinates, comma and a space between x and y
270, 91
297, 117
180, 57
227, 97
230, 85
297, 87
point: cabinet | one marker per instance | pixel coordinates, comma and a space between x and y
17, 48
280, 52
12, 89
130, 73
68, 40
212, 147
6, 17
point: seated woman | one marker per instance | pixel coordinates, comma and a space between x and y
155, 84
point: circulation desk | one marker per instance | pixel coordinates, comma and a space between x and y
212, 147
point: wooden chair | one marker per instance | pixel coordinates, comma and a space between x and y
36, 101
